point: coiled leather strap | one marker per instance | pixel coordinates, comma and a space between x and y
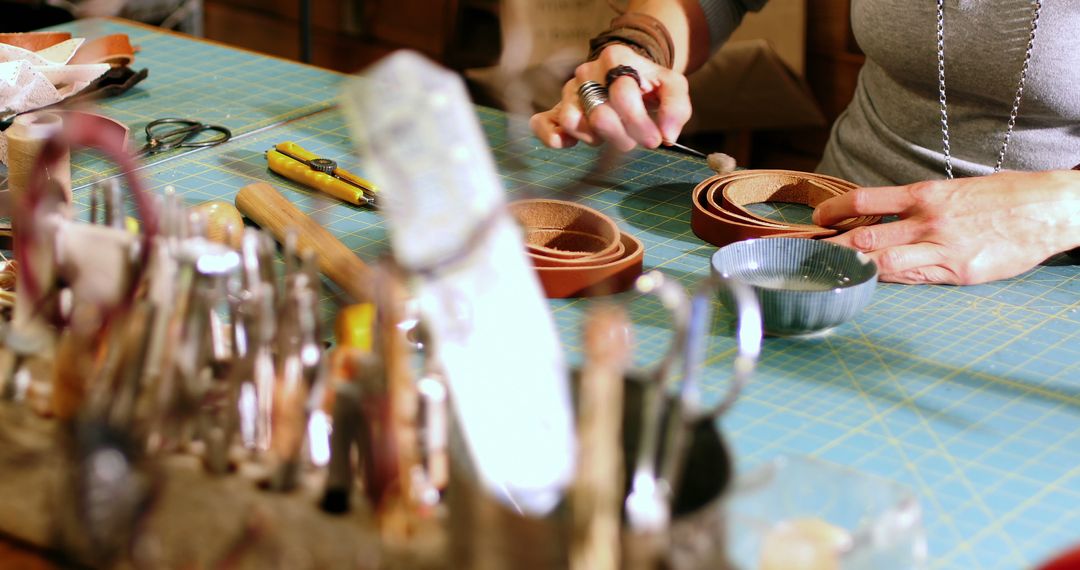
719, 214
576, 250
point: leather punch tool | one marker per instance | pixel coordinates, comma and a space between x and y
304, 167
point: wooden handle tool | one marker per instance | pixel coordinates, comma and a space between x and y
265, 206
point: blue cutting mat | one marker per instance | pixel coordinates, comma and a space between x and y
970, 396
197, 79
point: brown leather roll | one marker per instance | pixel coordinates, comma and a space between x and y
114, 49
576, 250
719, 214
34, 41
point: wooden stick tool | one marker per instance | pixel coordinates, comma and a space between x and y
264, 205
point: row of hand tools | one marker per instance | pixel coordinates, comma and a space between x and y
187, 332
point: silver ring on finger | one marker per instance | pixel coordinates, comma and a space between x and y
592, 95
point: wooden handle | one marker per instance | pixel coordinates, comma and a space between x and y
265, 206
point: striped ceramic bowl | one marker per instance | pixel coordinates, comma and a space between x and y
805, 286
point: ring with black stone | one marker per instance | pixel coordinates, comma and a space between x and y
619, 71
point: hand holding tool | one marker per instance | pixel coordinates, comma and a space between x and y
273, 212
299, 165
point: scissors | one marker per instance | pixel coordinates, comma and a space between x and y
166, 134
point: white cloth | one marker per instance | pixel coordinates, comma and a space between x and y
32, 80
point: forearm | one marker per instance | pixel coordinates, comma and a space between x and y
1071, 211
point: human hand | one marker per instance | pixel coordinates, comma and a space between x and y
963, 231
626, 120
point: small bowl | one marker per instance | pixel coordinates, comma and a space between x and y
806, 287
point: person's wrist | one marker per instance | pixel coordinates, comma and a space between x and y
642, 33
617, 47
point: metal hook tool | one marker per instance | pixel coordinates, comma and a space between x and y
648, 504
662, 451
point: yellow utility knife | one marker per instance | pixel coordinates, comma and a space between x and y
300, 165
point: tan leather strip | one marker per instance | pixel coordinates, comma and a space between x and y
719, 216
34, 41
565, 244
576, 250
114, 50
603, 279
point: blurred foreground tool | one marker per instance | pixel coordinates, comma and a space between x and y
595, 503
299, 165
265, 206
449, 227
221, 222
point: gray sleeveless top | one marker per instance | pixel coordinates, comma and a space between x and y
891, 131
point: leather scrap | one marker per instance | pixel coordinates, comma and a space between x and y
576, 250
114, 49
34, 41
719, 214
114, 82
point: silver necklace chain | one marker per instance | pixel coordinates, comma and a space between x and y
1036, 8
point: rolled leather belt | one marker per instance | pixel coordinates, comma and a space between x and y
34, 41
113, 49
576, 250
719, 214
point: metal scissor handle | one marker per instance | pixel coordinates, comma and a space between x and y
654, 478
647, 505
160, 140
748, 335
